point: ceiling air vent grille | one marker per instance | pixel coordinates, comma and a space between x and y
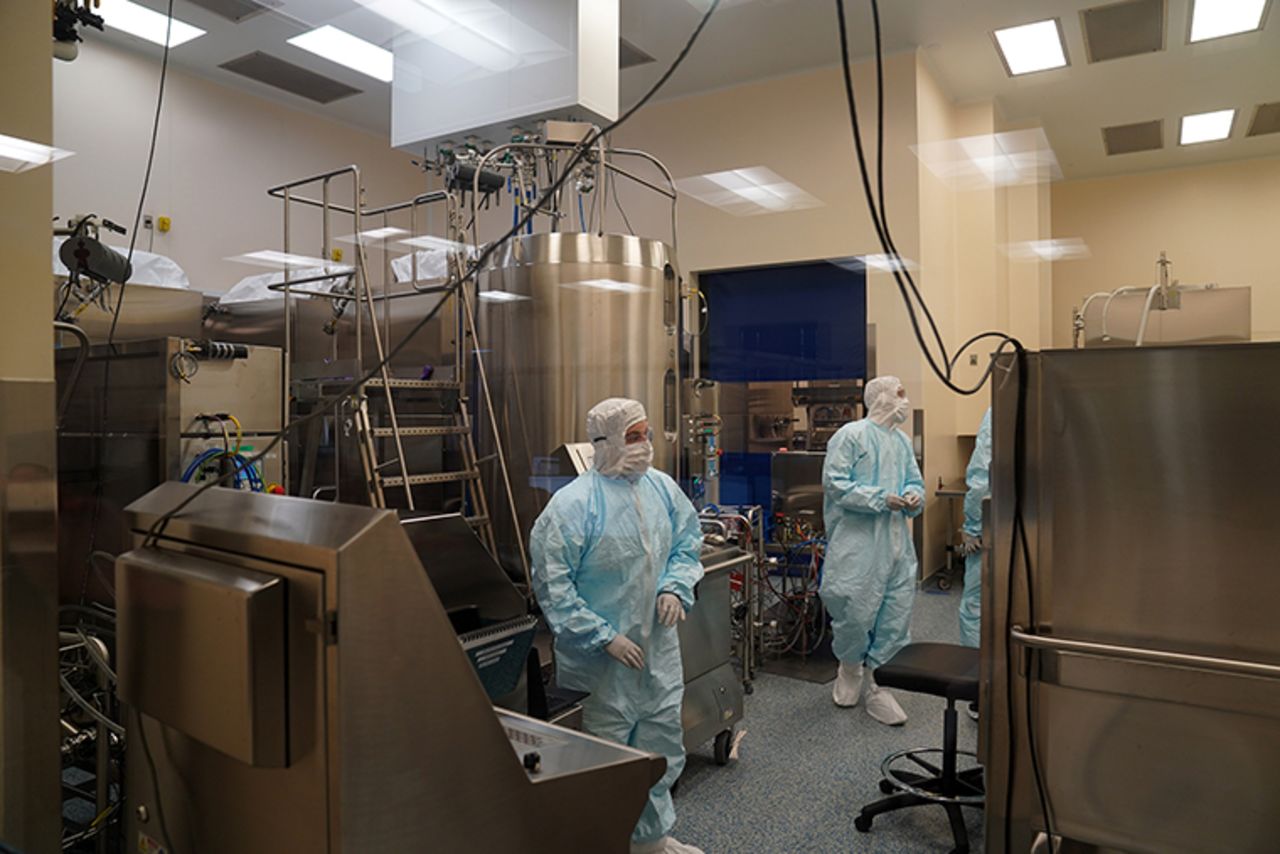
1126, 139
1131, 28
1266, 119
236, 10
289, 77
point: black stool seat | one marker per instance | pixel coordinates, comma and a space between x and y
947, 671
940, 669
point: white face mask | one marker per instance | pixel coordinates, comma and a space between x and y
901, 409
636, 460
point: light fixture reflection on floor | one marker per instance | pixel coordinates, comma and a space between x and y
376, 234
287, 260
607, 285
1000, 159
438, 244
502, 296
1056, 249
748, 191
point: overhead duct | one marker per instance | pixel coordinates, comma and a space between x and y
479, 68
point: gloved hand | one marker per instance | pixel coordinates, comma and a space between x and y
626, 652
670, 609
971, 545
895, 502
913, 500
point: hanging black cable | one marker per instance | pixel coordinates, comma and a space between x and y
1020, 544
103, 411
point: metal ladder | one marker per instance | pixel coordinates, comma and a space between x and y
387, 478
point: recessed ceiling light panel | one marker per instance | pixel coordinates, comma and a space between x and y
137, 20
19, 155
345, 49
1206, 127
1031, 47
1213, 19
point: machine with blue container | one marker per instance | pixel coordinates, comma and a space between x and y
787, 347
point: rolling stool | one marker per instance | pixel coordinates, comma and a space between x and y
943, 670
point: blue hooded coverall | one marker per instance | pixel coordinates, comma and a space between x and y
603, 549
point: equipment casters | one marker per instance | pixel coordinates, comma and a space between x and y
724, 743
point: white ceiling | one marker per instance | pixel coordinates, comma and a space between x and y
753, 39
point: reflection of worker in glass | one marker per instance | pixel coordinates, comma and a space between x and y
616, 555
978, 478
872, 485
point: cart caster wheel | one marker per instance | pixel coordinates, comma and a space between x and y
944, 583
887, 787
724, 742
748, 687
862, 823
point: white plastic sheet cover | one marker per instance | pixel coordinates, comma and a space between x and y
433, 266
258, 288
148, 267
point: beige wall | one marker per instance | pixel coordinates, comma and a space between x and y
971, 286
29, 790
26, 348
947, 218
218, 151
1218, 223
798, 127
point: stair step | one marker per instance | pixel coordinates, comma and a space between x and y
448, 430
439, 385
423, 479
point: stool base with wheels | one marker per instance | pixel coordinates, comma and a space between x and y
926, 776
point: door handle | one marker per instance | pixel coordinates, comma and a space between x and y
1211, 664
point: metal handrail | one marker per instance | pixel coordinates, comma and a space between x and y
1211, 664
81, 356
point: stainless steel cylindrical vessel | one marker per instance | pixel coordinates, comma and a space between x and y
567, 320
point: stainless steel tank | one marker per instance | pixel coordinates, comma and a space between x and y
565, 321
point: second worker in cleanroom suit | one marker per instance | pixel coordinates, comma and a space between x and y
616, 556
871, 487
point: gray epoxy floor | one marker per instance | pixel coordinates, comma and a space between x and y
805, 768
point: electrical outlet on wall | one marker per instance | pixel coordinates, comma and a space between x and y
148, 222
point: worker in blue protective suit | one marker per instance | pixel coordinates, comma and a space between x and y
871, 487
616, 557
978, 478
